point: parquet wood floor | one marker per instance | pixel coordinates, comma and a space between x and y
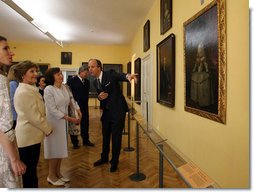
79, 165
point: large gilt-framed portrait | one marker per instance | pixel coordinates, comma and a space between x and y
165, 15
205, 62
166, 71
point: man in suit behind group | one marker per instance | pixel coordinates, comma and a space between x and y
114, 108
80, 86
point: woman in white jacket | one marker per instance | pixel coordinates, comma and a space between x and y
32, 125
57, 100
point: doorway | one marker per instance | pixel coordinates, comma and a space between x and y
146, 89
69, 73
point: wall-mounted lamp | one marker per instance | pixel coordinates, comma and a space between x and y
20, 11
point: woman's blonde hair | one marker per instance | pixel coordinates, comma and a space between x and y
11, 75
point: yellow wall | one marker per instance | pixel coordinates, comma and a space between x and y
51, 53
221, 151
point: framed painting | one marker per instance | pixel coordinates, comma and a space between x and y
129, 85
116, 67
146, 36
137, 90
165, 15
205, 62
43, 68
66, 57
166, 71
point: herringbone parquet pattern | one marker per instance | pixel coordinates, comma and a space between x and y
79, 165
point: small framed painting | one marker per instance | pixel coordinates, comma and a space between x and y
146, 36
66, 57
165, 15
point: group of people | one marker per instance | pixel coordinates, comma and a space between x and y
41, 115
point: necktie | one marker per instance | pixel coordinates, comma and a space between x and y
83, 81
99, 83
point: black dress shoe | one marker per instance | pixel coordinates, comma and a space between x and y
100, 162
113, 168
88, 143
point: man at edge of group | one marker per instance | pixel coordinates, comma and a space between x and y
114, 108
80, 86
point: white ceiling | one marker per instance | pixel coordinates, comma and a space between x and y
78, 21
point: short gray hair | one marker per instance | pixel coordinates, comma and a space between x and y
82, 68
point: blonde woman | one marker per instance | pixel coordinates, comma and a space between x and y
11, 168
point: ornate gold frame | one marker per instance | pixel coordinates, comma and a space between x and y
221, 22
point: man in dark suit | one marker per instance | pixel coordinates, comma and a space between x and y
114, 108
80, 86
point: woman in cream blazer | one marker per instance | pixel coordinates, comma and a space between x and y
32, 125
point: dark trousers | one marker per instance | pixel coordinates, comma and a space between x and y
30, 156
84, 125
112, 127
74, 140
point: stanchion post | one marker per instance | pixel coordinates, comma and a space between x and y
160, 167
137, 176
95, 102
132, 109
128, 149
124, 132
147, 119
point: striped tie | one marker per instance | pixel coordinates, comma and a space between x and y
99, 83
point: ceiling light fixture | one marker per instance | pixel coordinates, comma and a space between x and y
20, 11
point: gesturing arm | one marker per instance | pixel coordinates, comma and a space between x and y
132, 76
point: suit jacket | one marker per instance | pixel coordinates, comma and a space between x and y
32, 125
115, 103
80, 91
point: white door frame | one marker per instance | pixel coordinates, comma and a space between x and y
69, 71
146, 88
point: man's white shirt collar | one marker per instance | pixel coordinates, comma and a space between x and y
80, 78
100, 77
